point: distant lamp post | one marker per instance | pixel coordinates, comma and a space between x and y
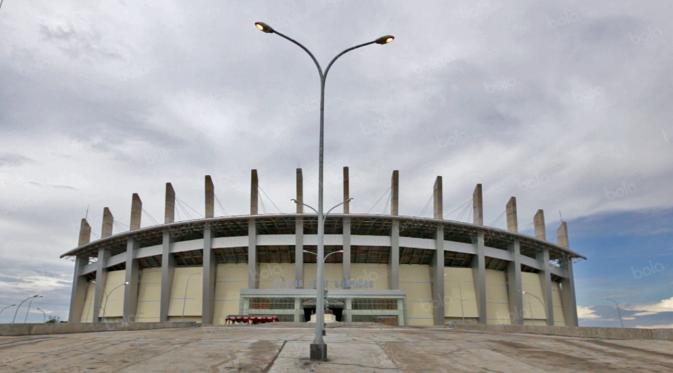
107, 296
44, 314
318, 350
184, 299
6, 307
619, 311
30, 302
19, 306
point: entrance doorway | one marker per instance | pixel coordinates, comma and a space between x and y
335, 307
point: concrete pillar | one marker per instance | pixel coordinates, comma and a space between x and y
108, 220
394, 265
545, 279
568, 284
568, 292
209, 276
562, 235
540, 230
298, 311
101, 276
79, 286
299, 234
84, 233
479, 272
136, 212
346, 233
512, 220
253, 274
438, 203
252, 232
167, 270
132, 274
478, 205
347, 203
438, 257
169, 206
349, 310
514, 288
400, 312
210, 197
254, 192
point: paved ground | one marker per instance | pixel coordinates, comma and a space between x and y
366, 349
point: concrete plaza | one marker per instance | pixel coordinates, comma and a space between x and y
367, 348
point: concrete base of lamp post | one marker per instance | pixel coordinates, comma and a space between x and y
318, 351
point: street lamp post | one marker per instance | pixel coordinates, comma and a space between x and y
184, 299
6, 307
30, 303
107, 296
44, 314
619, 311
318, 350
536, 297
19, 306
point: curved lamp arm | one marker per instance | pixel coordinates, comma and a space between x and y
329, 66
305, 205
335, 206
300, 45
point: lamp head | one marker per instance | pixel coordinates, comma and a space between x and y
386, 39
263, 27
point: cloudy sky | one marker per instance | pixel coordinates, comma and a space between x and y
566, 105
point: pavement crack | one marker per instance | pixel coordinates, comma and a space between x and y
268, 367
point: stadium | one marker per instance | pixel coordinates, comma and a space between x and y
401, 270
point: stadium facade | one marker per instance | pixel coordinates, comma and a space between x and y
381, 267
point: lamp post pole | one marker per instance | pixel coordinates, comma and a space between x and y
107, 296
19, 306
619, 311
318, 350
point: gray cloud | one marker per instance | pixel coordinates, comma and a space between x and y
566, 105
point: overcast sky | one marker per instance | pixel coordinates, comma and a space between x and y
566, 105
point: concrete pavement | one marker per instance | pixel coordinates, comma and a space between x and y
366, 349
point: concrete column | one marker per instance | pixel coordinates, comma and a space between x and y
209, 275
568, 284
298, 311
512, 220
101, 276
84, 233
253, 275
299, 234
478, 205
108, 220
349, 310
169, 206
79, 286
346, 233
210, 197
132, 274
568, 293
540, 230
514, 288
438, 203
479, 272
252, 232
394, 265
347, 197
438, 257
167, 270
400, 312
545, 279
254, 192
438, 277
136, 212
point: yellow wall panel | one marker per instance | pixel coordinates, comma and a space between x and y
87, 310
230, 279
497, 299
276, 276
186, 292
415, 281
369, 276
112, 304
533, 300
149, 295
333, 275
460, 300
559, 316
